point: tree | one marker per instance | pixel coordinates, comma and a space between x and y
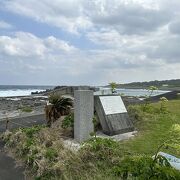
57, 107
113, 86
151, 89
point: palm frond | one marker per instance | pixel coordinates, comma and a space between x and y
59, 106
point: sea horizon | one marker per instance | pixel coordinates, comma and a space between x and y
21, 90
26, 90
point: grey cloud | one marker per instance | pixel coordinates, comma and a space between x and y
73, 16
129, 19
174, 27
66, 15
133, 41
112, 59
167, 49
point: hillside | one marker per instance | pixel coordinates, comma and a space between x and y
173, 84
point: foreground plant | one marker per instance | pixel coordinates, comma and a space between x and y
44, 154
68, 121
57, 107
144, 167
163, 107
146, 105
41, 149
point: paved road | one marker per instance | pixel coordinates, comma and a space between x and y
8, 168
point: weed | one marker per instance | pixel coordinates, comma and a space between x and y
144, 167
26, 109
68, 121
32, 130
51, 154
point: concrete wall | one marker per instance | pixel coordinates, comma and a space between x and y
71, 89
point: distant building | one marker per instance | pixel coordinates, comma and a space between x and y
165, 85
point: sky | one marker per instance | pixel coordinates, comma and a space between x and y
88, 42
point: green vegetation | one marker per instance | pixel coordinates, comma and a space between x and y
59, 106
26, 109
113, 86
31, 131
43, 151
95, 124
144, 167
163, 107
173, 84
151, 89
155, 127
68, 121
51, 154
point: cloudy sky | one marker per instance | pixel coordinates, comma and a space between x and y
52, 42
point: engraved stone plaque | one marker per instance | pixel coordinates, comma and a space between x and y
113, 105
112, 114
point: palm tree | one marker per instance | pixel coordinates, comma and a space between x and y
58, 106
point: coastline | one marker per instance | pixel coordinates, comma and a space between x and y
19, 108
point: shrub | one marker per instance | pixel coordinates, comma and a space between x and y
146, 106
31, 131
51, 154
26, 109
95, 124
101, 149
68, 121
26, 147
135, 113
144, 167
174, 138
163, 107
58, 107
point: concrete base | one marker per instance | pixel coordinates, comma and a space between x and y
75, 146
118, 137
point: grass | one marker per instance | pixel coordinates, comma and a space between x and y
154, 128
43, 152
26, 109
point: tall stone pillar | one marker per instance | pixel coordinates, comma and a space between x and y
83, 114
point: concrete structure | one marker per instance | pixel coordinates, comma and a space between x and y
113, 115
22, 121
70, 90
83, 114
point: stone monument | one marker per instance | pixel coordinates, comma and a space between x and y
83, 114
112, 114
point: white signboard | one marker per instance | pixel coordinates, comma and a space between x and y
112, 104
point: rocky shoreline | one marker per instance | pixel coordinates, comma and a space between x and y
20, 106
34, 104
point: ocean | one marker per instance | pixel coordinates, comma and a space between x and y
20, 90
129, 92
